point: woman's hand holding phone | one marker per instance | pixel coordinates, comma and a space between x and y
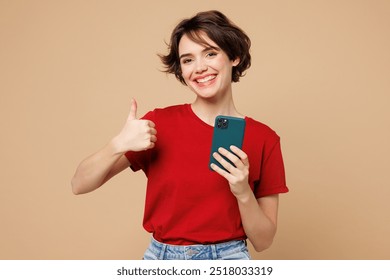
136, 135
236, 173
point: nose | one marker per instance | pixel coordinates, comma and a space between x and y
201, 66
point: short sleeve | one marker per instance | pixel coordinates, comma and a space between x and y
272, 174
140, 160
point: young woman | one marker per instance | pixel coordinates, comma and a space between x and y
194, 212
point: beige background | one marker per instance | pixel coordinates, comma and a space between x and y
320, 78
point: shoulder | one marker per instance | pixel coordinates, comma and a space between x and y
166, 112
174, 109
260, 129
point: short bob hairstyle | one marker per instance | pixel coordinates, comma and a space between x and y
229, 37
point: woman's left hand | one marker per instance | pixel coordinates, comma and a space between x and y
239, 172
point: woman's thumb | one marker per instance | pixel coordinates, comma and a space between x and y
133, 110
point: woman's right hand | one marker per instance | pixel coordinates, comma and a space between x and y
136, 135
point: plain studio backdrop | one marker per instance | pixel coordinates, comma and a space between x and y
320, 77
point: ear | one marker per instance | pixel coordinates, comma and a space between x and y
236, 62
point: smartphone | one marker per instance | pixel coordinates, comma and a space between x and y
227, 131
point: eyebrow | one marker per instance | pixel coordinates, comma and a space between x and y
209, 48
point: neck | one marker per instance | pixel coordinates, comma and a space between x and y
208, 109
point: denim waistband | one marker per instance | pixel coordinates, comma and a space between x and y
235, 249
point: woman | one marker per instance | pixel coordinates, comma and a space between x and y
194, 212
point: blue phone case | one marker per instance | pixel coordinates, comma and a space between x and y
227, 131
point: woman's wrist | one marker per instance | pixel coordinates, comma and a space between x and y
244, 196
115, 147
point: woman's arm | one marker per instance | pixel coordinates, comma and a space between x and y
259, 216
259, 219
95, 170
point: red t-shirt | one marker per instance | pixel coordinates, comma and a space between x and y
187, 203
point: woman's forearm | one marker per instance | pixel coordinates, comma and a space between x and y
259, 219
94, 170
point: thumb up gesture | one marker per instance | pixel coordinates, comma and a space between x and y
136, 135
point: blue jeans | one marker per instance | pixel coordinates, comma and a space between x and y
232, 250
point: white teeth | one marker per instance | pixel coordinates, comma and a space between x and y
206, 79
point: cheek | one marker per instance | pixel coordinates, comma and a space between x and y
185, 73
220, 64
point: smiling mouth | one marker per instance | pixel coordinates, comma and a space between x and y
206, 79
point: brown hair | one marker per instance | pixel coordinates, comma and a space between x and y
229, 37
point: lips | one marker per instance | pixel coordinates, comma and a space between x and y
205, 79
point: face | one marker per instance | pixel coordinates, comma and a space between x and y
206, 69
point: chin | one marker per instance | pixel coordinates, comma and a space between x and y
205, 92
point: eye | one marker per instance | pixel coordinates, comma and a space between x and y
211, 54
186, 60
